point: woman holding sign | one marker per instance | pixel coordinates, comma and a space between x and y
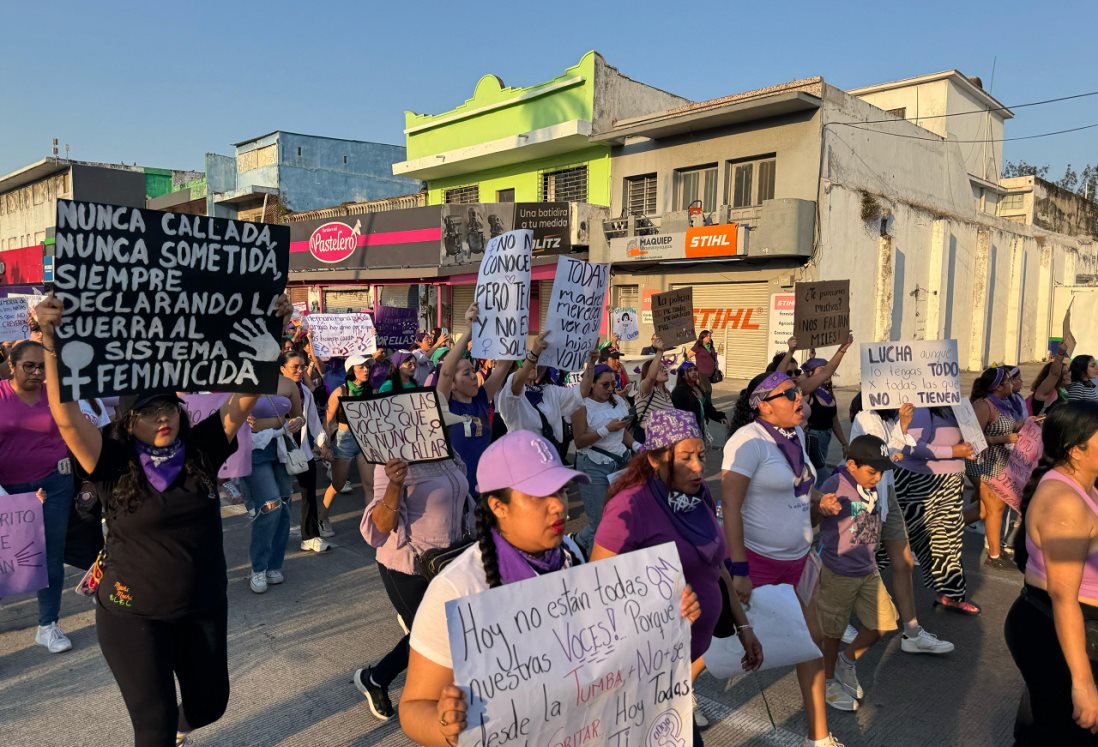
161, 606
345, 448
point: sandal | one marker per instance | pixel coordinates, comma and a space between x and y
962, 608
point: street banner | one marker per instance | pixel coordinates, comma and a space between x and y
14, 318
22, 545
342, 335
503, 297
1027, 451
575, 313
780, 322
157, 300
404, 425
625, 323
969, 424
922, 372
201, 406
396, 327
673, 316
821, 313
598, 654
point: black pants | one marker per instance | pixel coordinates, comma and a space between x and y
147, 656
307, 480
1031, 638
405, 592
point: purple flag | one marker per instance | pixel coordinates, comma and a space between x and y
22, 545
201, 406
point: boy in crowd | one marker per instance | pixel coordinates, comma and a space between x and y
849, 579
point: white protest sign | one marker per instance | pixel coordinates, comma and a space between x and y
575, 313
969, 424
924, 373
625, 324
1083, 311
404, 425
341, 335
595, 655
503, 296
13, 319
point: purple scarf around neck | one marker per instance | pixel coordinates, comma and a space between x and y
1013, 406
825, 397
161, 464
789, 444
516, 565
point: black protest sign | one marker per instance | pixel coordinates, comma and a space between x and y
404, 425
157, 300
673, 316
821, 313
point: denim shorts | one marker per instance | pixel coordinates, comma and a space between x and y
269, 478
345, 446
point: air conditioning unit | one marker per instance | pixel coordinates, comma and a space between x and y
786, 229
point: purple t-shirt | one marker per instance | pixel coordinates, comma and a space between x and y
30, 443
631, 521
472, 437
849, 541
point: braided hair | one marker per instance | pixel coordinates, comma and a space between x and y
486, 522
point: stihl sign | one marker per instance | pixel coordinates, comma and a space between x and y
718, 320
696, 243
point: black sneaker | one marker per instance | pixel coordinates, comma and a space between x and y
377, 697
1000, 563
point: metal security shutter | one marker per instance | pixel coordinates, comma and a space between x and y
399, 296
346, 300
298, 294
628, 296
737, 315
462, 296
545, 290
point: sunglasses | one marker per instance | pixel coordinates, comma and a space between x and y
790, 394
158, 411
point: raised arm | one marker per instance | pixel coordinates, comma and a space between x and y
823, 373
1048, 385
649, 382
445, 383
587, 381
529, 370
495, 380
785, 365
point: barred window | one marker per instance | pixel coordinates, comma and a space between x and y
566, 185
640, 194
468, 195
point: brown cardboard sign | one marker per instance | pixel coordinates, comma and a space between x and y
821, 315
673, 316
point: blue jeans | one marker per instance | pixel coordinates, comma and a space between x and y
268, 503
593, 497
818, 444
55, 518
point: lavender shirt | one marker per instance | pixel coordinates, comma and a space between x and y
435, 511
935, 436
849, 541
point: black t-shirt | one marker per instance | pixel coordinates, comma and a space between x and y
822, 416
166, 559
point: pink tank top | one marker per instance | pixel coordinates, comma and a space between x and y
1036, 564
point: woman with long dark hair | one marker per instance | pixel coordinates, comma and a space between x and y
1052, 629
161, 606
823, 419
403, 375
311, 437
1083, 373
688, 395
704, 355
652, 393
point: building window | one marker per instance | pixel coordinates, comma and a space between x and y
344, 160
566, 185
468, 195
299, 150
696, 184
901, 112
640, 195
505, 195
1012, 201
751, 181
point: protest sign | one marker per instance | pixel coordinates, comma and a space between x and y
301, 309
673, 316
404, 425
22, 545
821, 313
157, 300
503, 297
201, 406
625, 324
575, 313
14, 317
396, 327
924, 373
1068, 337
341, 335
969, 424
1027, 451
598, 654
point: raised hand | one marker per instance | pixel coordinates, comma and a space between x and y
254, 334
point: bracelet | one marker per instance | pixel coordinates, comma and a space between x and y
737, 569
741, 628
387, 508
531, 356
51, 351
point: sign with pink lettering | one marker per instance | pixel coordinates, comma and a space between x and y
1027, 451
22, 545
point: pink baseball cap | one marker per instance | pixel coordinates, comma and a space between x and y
524, 461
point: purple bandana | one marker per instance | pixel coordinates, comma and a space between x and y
161, 464
516, 565
766, 386
789, 444
822, 394
668, 427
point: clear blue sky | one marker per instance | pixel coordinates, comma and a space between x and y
162, 84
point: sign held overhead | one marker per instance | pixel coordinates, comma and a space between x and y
922, 372
673, 316
821, 314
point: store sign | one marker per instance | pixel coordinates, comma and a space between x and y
21, 266
712, 241
467, 228
781, 321
334, 242
741, 317
695, 243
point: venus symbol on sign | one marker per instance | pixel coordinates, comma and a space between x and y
76, 355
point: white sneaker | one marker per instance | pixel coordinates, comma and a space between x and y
52, 638
275, 577
346, 488
699, 715
325, 528
316, 544
849, 634
837, 696
259, 582
829, 741
848, 678
925, 643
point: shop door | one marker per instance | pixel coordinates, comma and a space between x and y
736, 313
347, 300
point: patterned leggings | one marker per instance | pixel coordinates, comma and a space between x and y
932, 506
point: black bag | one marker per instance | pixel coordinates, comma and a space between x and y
716, 377
84, 536
547, 432
433, 561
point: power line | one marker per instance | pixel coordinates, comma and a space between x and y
977, 111
942, 139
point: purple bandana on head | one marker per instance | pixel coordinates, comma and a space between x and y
766, 386
668, 427
516, 565
824, 395
1014, 406
789, 444
161, 464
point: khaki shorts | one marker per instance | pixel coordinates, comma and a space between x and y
864, 595
894, 529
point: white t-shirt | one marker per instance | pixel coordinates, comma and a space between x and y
776, 523
463, 577
557, 402
598, 415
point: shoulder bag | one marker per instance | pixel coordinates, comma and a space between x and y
294, 459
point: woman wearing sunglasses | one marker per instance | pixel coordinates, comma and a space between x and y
652, 395
767, 487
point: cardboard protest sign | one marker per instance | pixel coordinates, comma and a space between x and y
924, 373
201, 406
404, 425
969, 424
157, 300
673, 316
22, 545
1027, 451
575, 313
396, 327
1068, 337
821, 313
14, 318
503, 297
625, 323
598, 654
341, 335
